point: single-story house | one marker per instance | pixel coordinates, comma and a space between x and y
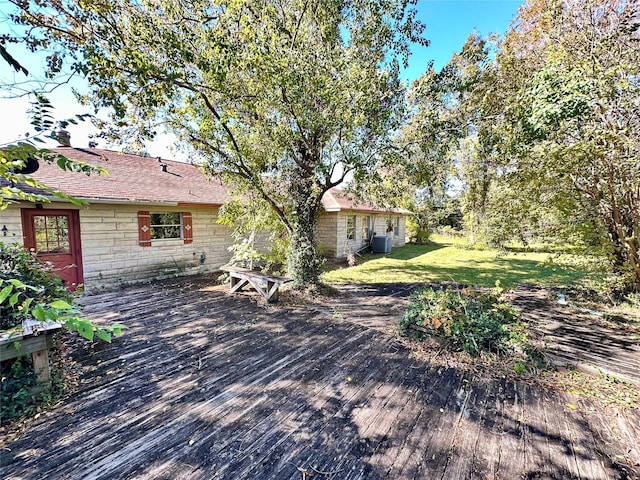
151, 218
347, 224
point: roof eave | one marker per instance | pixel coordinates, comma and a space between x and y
109, 201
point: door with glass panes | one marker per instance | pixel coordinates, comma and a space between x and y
54, 237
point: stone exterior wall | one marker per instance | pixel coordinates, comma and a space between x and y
111, 254
332, 231
326, 234
10, 218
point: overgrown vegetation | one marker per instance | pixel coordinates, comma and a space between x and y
20, 395
469, 320
18, 379
537, 131
29, 291
24, 283
260, 239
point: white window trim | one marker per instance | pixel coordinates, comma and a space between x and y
352, 228
366, 227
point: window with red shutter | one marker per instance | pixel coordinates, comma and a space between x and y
161, 226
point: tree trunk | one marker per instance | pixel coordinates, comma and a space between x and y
623, 231
304, 259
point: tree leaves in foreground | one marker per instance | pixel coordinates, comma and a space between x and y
14, 185
29, 290
280, 98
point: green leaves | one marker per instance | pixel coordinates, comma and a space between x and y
39, 313
5, 293
464, 319
15, 156
57, 310
60, 305
555, 97
89, 330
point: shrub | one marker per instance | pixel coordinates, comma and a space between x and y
18, 264
465, 319
417, 234
18, 378
20, 394
28, 290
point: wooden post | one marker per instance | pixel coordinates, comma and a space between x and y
41, 366
36, 339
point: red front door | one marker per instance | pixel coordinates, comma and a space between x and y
54, 236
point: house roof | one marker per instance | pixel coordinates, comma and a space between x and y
337, 200
132, 179
138, 179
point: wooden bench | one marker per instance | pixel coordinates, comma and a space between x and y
266, 285
36, 339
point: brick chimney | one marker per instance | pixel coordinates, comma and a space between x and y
64, 138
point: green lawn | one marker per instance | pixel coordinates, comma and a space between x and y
444, 262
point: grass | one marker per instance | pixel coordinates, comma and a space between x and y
444, 261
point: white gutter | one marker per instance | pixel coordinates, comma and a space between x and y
110, 201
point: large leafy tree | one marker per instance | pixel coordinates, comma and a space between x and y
546, 132
450, 111
283, 98
571, 124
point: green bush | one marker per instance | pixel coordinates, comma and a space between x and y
18, 378
465, 319
18, 264
27, 290
415, 233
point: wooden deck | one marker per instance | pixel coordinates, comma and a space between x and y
580, 339
211, 386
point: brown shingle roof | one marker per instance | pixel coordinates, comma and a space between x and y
137, 179
336, 200
132, 178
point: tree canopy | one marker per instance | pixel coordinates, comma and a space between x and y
283, 98
574, 125
546, 130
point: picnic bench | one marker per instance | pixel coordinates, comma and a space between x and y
265, 284
35, 338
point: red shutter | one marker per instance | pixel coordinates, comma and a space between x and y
187, 227
144, 229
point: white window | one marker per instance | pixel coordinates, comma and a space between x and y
366, 228
351, 227
396, 227
166, 225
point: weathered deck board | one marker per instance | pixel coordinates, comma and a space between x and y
468, 432
578, 339
209, 386
487, 453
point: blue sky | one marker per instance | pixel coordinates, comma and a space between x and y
448, 24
